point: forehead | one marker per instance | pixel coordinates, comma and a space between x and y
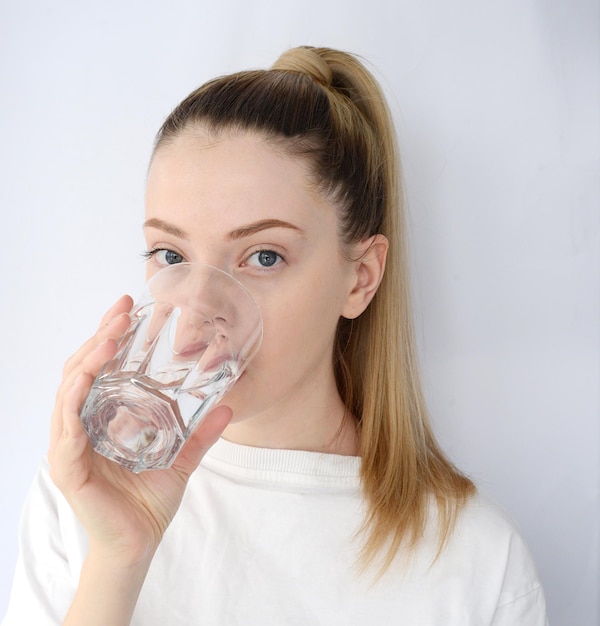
233, 178
237, 161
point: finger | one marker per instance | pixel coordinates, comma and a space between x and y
113, 324
69, 464
90, 366
205, 435
122, 305
113, 329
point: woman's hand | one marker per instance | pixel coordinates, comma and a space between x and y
124, 514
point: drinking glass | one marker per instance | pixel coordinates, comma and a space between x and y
192, 334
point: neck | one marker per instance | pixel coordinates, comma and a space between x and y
320, 423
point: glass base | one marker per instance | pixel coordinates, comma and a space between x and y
138, 427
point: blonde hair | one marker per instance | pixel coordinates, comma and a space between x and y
325, 106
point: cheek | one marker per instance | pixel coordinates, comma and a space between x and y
299, 328
281, 329
303, 324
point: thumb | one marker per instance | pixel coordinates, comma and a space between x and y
203, 437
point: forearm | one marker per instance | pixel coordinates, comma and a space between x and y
107, 592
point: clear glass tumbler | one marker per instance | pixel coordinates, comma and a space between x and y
192, 333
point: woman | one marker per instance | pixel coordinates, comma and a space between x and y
321, 494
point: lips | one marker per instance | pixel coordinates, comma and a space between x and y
192, 351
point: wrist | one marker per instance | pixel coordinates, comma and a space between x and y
121, 555
108, 589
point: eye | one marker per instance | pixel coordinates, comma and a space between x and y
164, 256
264, 258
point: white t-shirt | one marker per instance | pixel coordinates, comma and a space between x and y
267, 537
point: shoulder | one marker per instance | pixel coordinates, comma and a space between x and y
483, 519
489, 539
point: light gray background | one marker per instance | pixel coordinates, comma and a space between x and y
497, 111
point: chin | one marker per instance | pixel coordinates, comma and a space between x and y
242, 400
251, 397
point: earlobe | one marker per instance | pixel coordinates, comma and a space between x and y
368, 273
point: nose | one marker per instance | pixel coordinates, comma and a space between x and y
190, 333
206, 303
207, 291
210, 294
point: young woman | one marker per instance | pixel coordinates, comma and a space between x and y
316, 494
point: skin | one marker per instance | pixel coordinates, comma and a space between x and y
237, 203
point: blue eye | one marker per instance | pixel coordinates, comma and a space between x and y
164, 256
267, 258
171, 258
264, 258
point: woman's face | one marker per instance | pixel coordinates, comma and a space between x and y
239, 204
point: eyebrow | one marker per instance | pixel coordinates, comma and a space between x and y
256, 227
238, 233
154, 222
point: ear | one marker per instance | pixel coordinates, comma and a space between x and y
367, 273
